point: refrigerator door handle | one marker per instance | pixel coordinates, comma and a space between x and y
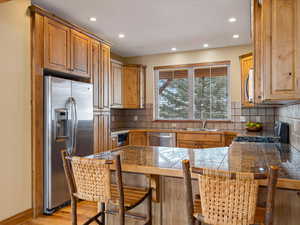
75, 120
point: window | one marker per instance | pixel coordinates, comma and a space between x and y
192, 93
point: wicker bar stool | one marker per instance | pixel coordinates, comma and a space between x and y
228, 198
90, 180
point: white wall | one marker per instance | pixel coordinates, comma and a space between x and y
199, 56
15, 116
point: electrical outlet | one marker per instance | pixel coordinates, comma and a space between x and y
173, 125
258, 119
135, 118
242, 119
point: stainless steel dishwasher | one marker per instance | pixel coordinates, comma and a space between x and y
162, 139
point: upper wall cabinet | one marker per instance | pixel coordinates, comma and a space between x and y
66, 50
57, 46
116, 81
277, 49
104, 77
100, 75
247, 79
134, 86
127, 86
80, 54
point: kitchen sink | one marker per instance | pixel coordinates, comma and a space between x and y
199, 129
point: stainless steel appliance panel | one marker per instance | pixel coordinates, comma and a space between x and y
57, 92
162, 139
83, 97
68, 113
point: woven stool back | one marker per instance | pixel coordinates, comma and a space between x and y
92, 179
227, 201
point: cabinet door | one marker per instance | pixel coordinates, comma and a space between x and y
102, 132
80, 54
131, 87
139, 138
142, 87
187, 144
105, 132
96, 134
57, 46
246, 64
104, 77
281, 49
96, 71
257, 50
116, 85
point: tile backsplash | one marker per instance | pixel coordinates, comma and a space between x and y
291, 115
143, 118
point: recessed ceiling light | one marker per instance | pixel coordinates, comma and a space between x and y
93, 19
236, 36
205, 45
121, 35
232, 20
173, 49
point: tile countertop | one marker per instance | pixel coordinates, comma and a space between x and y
242, 157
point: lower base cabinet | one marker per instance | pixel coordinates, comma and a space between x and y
102, 132
138, 138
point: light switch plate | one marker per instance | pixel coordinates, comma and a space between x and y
135, 118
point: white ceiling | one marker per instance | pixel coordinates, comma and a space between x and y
155, 26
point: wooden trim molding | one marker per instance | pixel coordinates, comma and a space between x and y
227, 62
246, 55
1, 1
37, 62
43, 12
18, 218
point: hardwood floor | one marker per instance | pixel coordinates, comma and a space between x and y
63, 216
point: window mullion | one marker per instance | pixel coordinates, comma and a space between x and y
191, 93
210, 95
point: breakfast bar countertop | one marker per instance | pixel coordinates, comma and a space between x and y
240, 157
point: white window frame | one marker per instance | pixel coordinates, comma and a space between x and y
191, 80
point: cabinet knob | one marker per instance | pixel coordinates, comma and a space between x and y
290, 74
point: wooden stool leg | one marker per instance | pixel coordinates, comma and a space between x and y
74, 210
103, 210
149, 208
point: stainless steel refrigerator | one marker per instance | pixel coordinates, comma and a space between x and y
68, 117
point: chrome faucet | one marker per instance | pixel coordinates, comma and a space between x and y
204, 124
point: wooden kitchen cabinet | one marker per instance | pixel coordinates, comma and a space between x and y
246, 62
66, 50
134, 86
102, 141
200, 140
57, 46
96, 70
138, 138
277, 49
104, 77
80, 54
100, 75
116, 86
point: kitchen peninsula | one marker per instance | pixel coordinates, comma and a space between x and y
163, 164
